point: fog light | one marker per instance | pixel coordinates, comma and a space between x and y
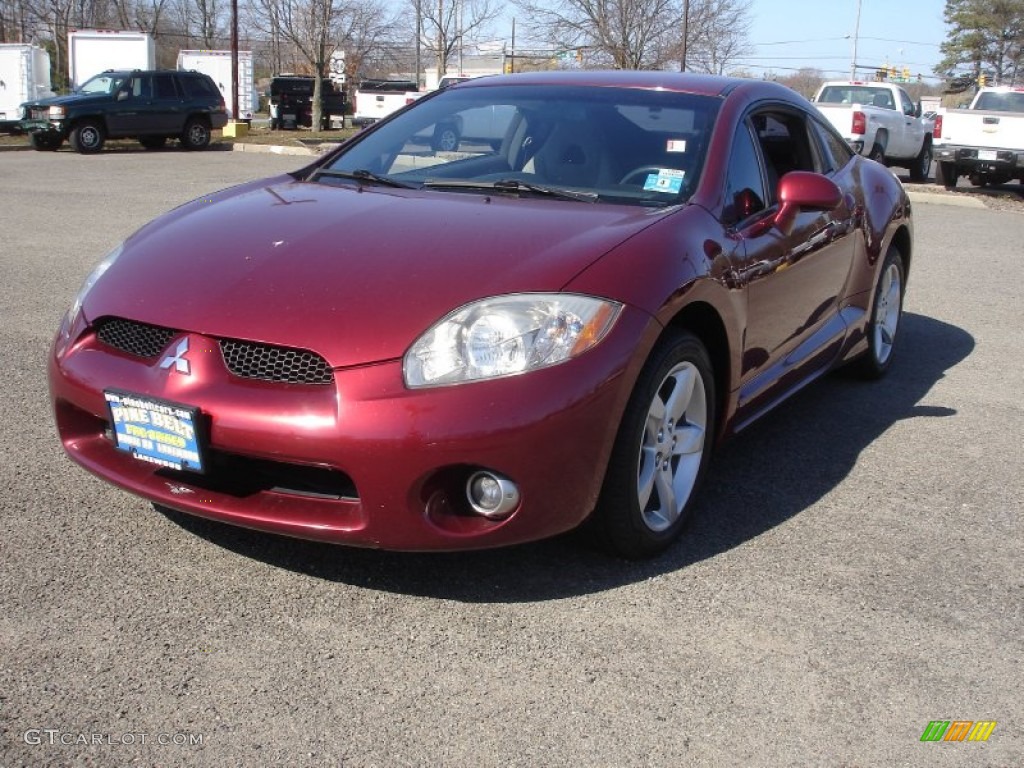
491, 495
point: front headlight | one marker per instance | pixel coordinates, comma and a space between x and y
57, 112
507, 335
90, 281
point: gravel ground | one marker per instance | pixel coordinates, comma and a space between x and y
854, 571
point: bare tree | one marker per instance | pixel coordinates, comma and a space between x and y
447, 24
804, 81
716, 34
643, 34
318, 28
201, 23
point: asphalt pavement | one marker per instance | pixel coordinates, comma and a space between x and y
854, 573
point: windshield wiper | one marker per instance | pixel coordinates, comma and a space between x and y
514, 185
361, 175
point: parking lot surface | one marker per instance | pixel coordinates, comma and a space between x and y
854, 572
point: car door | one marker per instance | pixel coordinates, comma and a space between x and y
167, 109
129, 115
794, 281
913, 127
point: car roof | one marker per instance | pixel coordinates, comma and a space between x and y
706, 85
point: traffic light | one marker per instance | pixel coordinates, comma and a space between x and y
982, 80
906, 74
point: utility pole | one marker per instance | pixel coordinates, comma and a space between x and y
441, 57
856, 34
419, 39
686, 33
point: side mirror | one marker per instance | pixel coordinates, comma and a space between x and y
804, 191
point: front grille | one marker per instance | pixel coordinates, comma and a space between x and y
38, 113
279, 364
246, 359
137, 339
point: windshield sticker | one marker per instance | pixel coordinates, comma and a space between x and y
666, 180
676, 145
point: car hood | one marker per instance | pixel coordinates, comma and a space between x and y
355, 274
71, 99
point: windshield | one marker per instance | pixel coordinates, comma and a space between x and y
631, 146
101, 84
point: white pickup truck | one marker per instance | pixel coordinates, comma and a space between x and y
984, 142
879, 120
376, 99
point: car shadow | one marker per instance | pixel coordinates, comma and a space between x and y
770, 473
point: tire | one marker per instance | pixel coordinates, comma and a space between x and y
946, 175
661, 452
922, 163
87, 137
153, 142
446, 138
886, 314
877, 153
45, 143
196, 134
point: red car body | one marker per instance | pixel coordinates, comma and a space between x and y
349, 274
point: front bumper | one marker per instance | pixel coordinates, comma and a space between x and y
363, 461
44, 127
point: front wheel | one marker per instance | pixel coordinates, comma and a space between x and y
196, 134
446, 138
661, 451
87, 137
42, 142
886, 313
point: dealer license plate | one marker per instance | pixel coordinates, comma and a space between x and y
987, 154
157, 432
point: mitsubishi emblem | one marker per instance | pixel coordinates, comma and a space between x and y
177, 359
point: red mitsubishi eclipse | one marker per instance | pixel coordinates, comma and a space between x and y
517, 305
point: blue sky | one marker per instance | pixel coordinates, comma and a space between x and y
786, 35
789, 34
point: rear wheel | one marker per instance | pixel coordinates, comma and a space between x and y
196, 134
153, 142
946, 175
886, 313
877, 153
661, 451
87, 137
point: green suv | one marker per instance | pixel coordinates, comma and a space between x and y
151, 106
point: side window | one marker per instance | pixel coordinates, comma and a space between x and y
163, 87
141, 87
906, 104
199, 88
785, 144
744, 185
836, 151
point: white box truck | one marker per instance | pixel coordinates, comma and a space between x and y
217, 64
24, 76
91, 51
